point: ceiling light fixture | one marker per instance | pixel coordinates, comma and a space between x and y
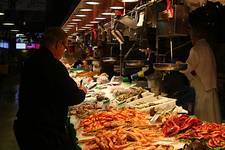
2, 13
108, 14
76, 20
86, 9
81, 15
15, 30
75, 33
8, 24
81, 29
129, 1
67, 28
69, 25
117, 7
89, 25
92, 3
20, 35
85, 27
100, 18
72, 23
94, 21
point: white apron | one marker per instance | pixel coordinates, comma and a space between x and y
206, 102
201, 60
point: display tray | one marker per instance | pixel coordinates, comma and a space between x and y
134, 63
169, 66
109, 59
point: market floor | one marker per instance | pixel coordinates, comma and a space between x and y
8, 109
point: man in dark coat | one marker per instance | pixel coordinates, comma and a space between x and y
46, 91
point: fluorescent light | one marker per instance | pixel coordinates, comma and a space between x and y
117, 7
75, 33
69, 25
100, 18
108, 14
20, 35
72, 23
85, 27
2, 13
15, 30
130, 1
81, 29
94, 21
92, 3
81, 15
86, 9
89, 25
68, 28
8, 24
76, 20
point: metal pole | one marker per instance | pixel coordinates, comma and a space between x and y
171, 49
121, 57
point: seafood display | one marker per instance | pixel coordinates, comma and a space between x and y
132, 91
86, 74
115, 116
175, 124
103, 119
212, 133
84, 109
190, 128
127, 137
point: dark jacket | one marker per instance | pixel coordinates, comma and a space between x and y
46, 91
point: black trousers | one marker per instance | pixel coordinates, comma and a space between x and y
33, 137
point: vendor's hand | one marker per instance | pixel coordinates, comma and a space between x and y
83, 88
134, 76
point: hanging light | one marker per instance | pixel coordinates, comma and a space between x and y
94, 21
108, 14
68, 28
92, 3
72, 23
100, 18
76, 20
89, 25
8, 24
86, 9
15, 30
117, 7
85, 27
81, 15
129, 1
74, 34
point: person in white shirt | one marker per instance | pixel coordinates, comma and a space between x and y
201, 70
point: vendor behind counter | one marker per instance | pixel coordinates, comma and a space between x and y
101, 67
